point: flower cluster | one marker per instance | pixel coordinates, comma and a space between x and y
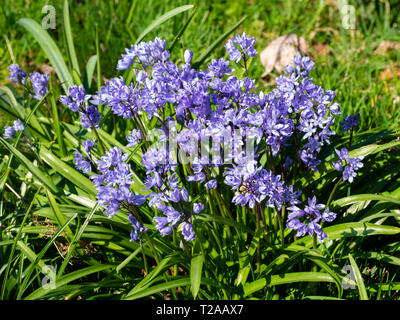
40, 82
9, 131
350, 122
307, 220
255, 184
18, 75
137, 227
168, 195
351, 164
290, 126
144, 54
77, 101
241, 47
114, 181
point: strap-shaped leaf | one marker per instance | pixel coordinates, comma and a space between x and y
51, 50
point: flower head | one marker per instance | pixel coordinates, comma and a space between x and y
18, 75
40, 84
307, 220
241, 43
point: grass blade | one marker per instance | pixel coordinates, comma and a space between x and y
76, 240
68, 172
59, 217
51, 50
196, 267
89, 71
359, 280
41, 254
286, 278
56, 122
16, 240
162, 19
68, 37
215, 44
39, 293
182, 30
29, 165
351, 229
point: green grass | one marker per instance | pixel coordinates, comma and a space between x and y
48, 214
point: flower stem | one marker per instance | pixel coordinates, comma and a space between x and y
258, 263
333, 192
103, 150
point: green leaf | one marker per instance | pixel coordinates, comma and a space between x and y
162, 19
181, 282
76, 240
364, 197
39, 293
286, 278
372, 149
29, 165
40, 255
351, 229
162, 266
51, 50
128, 259
66, 171
322, 262
359, 280
59, 217
246, 258
68, 37
19, 110
56, 122
30, 254
182, 30
215, 44
89, 71
196, 267
16, 242
26, 123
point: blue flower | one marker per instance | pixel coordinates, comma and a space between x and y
246, 44
188, 55
198, 207
144, 53
81, 163
211, 184
40, 84
88, 145
161, 225
188, 232
18, 75
134, 138
9, 132
137, 226
351, 165
350, 122
78, 97
18, 126
307, 220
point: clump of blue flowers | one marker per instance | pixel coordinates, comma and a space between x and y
39, 83
9, 131
290, 126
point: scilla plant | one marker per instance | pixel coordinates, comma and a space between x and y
188, 182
